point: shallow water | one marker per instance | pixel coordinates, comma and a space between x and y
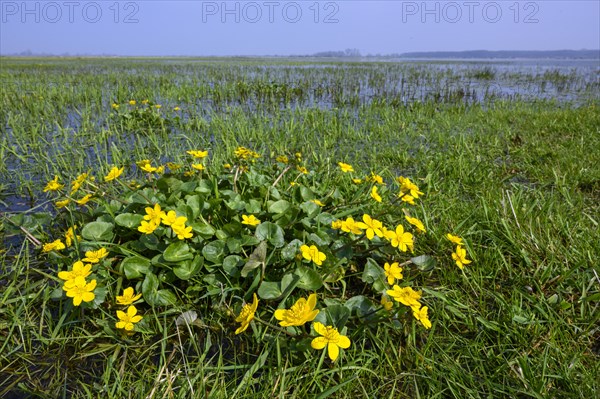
205, 88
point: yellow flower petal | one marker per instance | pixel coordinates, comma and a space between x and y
333, 351
318, 343
343, 342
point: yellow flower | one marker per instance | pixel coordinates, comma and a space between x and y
407, 186
147, 227
160, 169
357, 181
173, 166
80, 290
345, 167
114, 173
84, 200
247, 315
148, 168
386, 303
375, 178
78, 270
406, 296
198, 166
302, 170
385, 231
337, 224
400, 239
408, 199
316, 201
300, 313
131, 102
416, 222
95, 256
70, 236
455, 239
198, 153
227, 165
392, 272
182, 231
171, 218
144, 102
421, 315
245, 153
63, 203
176, 109
143, 162
460, 256
56, 245
53, 185
127, 320
78, 182
128, 297
115, 106
157, 106
242, 152
312, 253
75, 186
330, 338
350, 226
282, 159
250, 220
372, 227
375, 195
155, 214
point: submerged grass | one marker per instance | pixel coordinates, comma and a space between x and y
518, 178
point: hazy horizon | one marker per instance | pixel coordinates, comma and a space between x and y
28, 53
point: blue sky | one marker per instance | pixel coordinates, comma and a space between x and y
274, 27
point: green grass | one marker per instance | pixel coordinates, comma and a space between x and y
518, 179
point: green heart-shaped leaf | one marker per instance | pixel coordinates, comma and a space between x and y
177, 252
135, 267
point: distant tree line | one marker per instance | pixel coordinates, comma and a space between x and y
349, 52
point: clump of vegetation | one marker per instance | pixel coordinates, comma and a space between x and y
143, 117
486, 73
254, 242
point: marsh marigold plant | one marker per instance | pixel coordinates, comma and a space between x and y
335, 253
